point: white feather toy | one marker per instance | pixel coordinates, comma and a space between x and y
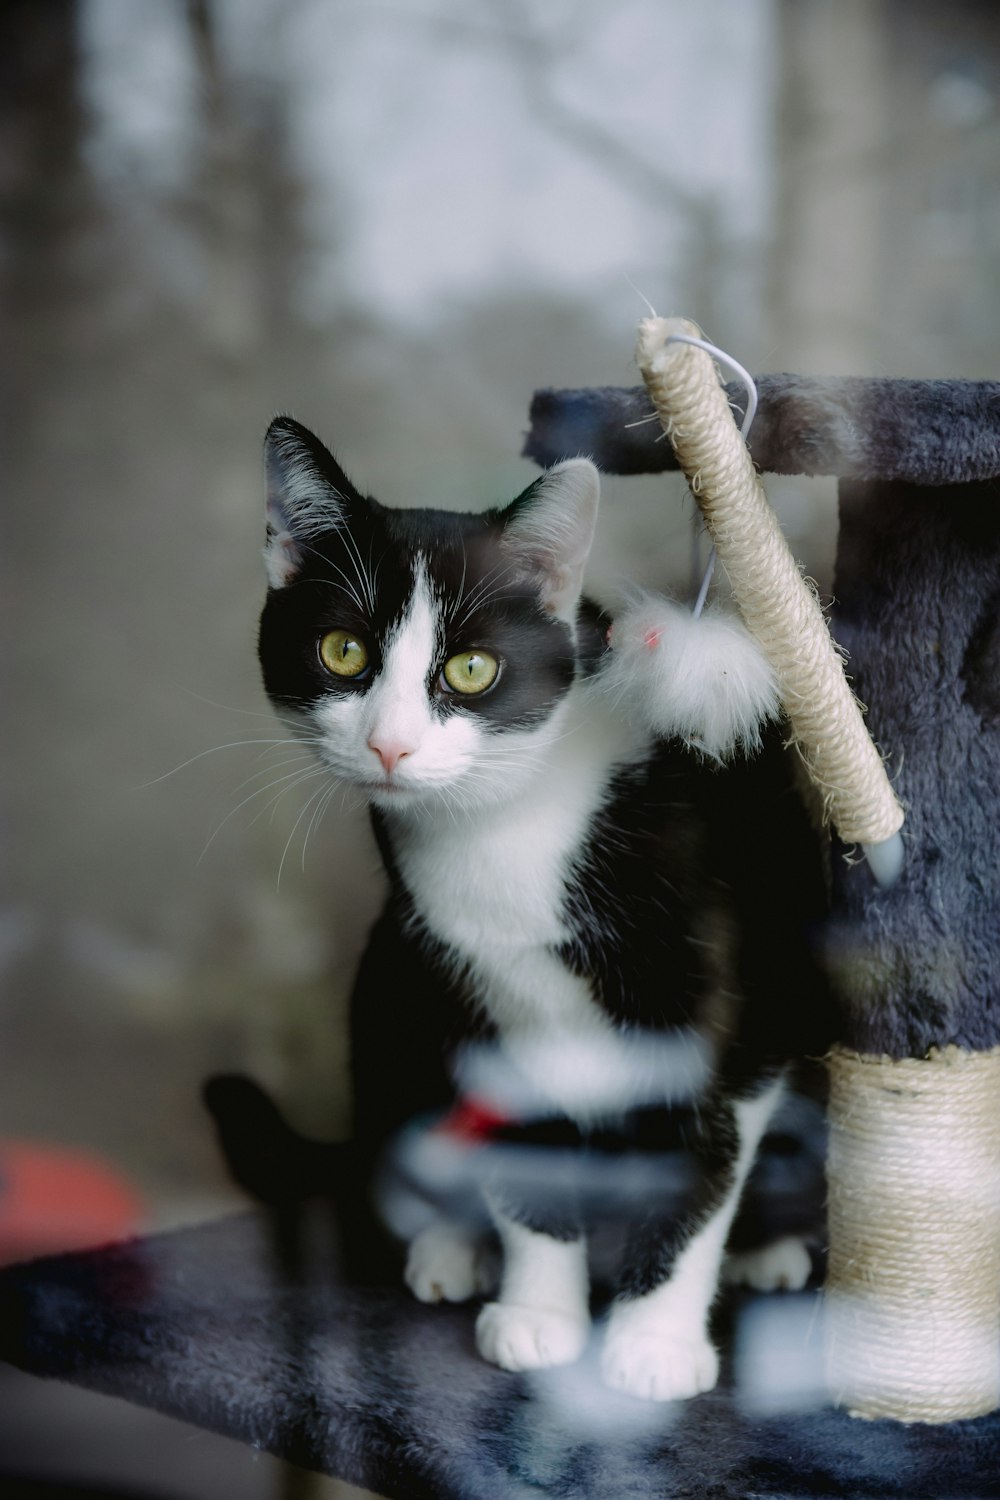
703, 678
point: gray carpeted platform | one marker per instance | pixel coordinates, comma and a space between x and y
212, 1326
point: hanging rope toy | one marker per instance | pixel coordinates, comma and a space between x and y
780, 610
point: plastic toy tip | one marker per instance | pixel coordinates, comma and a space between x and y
885, 860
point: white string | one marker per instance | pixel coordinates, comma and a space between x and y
747, 379
740, 371
706, 584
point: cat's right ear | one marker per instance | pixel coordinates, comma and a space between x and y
308, 494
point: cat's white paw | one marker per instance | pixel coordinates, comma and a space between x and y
529, 1338
656, 1368
784, 1265
442, 1265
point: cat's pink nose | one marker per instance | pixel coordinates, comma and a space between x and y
389, 752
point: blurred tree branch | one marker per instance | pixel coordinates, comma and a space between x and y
536, 57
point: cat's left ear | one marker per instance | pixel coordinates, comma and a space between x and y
549, 530
308, 494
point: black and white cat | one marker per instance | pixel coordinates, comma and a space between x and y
573, 874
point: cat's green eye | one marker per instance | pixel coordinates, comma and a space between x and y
471, 672
343, 654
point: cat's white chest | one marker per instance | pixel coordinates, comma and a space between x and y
497, 883
492, 884
495, 895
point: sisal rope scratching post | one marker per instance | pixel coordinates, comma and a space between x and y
774, 599
913, 1293
914, 1272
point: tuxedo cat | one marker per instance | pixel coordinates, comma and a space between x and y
574, 876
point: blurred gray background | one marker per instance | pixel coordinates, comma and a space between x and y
394, 220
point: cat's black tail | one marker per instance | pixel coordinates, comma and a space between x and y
268, 1158
285, 1170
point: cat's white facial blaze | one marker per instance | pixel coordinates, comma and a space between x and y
398, 722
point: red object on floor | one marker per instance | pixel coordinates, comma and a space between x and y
54, 1198
472, 1120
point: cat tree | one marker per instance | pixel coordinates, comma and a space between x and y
255, 1326
913, 1291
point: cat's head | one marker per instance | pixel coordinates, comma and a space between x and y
425, 653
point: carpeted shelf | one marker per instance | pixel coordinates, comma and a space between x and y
246, 1329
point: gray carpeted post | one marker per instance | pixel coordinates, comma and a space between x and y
913, 1292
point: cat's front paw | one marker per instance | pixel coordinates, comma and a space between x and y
529, 1338
442, 1265
656, 1368
785, 1265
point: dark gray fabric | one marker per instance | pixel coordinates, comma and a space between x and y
213, 1325
918, 608
922, 431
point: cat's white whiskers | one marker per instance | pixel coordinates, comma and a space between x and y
231, 708
289, 779
461, 801
365, 581
306, 758
374, 575
346, 584
507, 755
477, 600
271, 714
348, 804
486, 590
212, 750
294, 779
352, 798
288, 842
317, 817
448, 800
461, 582
298, 726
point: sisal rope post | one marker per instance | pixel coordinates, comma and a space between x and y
913, 1288
774, 599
